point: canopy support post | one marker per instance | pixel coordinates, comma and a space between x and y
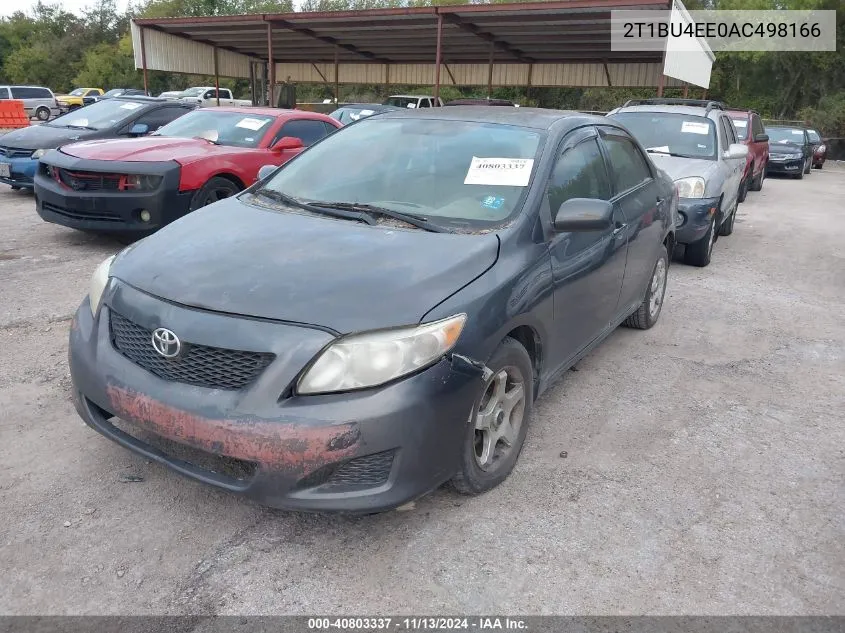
437, 57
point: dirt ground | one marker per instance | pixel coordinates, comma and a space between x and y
705, 470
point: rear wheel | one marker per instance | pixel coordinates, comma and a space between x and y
698, 253
499, 421
215, 189
757, 181
647, 314
42, 113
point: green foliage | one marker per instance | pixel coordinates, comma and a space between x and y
828, 116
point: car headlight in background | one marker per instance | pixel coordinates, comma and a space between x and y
821, 148
374, 358
690, 187
98, 283
39, 153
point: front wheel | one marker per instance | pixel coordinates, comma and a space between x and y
757, 181
42, 113
808, 166
745, 186
499, 421
648, 312
215, 189
698, 253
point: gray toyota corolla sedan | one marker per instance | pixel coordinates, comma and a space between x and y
378, 316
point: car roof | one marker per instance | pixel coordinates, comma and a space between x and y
667, 109
141, 99
411, 96
741, 111
536, 118
365, 106
275, 112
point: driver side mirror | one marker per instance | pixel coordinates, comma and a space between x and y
761, 138
288, 142
736, 150
139, 129
584, 214
266, 171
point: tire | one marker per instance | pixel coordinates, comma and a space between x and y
42, 113
727, 227
799, 175
511, 361
757, 181
698, 253
215, 189
15, 187
820, 166
808, 166
645, 316
745, 186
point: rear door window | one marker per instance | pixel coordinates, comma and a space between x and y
25, 92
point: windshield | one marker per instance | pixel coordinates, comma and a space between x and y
741, 126
101, 115
114, 93
401, 102
349, 115
78, 92
785, 135
192, 92
814, 136
224, 128
459, 174
684, 135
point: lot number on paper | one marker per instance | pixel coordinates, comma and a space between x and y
509, 172
251, 124
691, 127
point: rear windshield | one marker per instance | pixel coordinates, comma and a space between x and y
223, 128
785, 135
101, 115
741, 126
684, 135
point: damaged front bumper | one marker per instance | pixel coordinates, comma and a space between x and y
364, 451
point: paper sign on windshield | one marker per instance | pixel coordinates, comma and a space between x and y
691, 127
366, 112
798, 132
509, 172
251, 124
131, 106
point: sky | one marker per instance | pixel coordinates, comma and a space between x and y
8, 7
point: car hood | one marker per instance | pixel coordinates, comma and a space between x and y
44, 137
150, 148
235, 258
785, 148
677, 167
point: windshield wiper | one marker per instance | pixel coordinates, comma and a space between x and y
373, 210
293, 202
79, 127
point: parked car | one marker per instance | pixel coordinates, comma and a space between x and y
206, 97
695, 142
351, 112
123, 92
134, 187
363, 326
482, 102
819, 148
790, 151
170, 94
122, 117
750, 131
78, 98
38, 102
413, 101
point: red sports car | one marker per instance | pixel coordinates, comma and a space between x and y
136, 186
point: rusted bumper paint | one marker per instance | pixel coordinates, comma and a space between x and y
292, 440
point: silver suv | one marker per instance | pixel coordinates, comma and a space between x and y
695, 142
39, 102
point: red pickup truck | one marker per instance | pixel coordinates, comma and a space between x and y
750, 131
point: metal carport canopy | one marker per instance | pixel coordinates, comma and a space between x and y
557, 43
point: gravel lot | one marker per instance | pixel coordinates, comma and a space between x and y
704, 473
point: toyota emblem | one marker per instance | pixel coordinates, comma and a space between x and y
166, 343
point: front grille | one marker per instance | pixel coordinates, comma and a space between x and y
236, 470
369, 471
14, 152
90, 180
200, 365
82, 214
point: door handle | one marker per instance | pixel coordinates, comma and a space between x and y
619, 228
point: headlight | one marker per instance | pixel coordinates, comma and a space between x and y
142, 183
39, 153
374, 358
690, 187
98, 283
821, 148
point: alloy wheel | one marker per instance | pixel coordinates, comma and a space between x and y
658, 289
499, 417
